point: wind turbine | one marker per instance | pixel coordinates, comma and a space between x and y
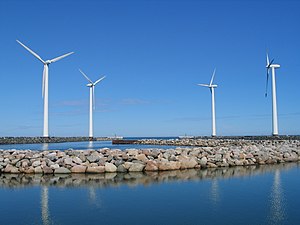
272, 66
212, 87
45, 84
91, 85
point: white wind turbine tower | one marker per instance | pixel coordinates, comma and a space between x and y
45, 84
212, 87
91, 85
272, 66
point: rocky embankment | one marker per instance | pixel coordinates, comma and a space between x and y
136, 178
214, 154
38, 140
222, 141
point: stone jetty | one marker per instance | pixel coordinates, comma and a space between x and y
210, 154
38, 140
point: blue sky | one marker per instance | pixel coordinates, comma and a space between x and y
153, 54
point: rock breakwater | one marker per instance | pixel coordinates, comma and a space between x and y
136, 178
214, 154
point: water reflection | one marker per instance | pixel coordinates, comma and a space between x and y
45, 146
214, 192
45, 206
99, 199
277, 213
92, 196
90, 145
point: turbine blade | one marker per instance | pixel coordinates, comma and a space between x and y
266, 93
268, 61
61, 57
32, 52
204, 85
85, 76
212, 78
99, 80
43, 82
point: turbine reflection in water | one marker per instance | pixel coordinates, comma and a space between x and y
93, 196
45, 146
45, 206
214, 192
90, 145
277, 213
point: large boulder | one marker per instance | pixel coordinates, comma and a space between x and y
62, 170
95, 169
77, 160
121, 169
109, 167
47, 170
203, 161
187, 163
78, 169
93, 158
151, 166
136, 167
166, 165
142, 157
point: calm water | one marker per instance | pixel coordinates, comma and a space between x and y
253, 195
77, 145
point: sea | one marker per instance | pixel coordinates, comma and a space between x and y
86, 145
254, 195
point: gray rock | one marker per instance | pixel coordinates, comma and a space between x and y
36, 163
77, 160
136, 167
68, 161
188, 163
118, 163
203, 161
121, 169
109, 167
51, 156
47, 170
54, 166
93, 158
62, 170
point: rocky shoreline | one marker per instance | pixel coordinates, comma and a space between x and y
39, 140
211, 153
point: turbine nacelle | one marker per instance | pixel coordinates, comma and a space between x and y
208, 86
48, 62
89, 85
274, 65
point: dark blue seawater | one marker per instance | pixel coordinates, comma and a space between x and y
253, 195
78, 146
